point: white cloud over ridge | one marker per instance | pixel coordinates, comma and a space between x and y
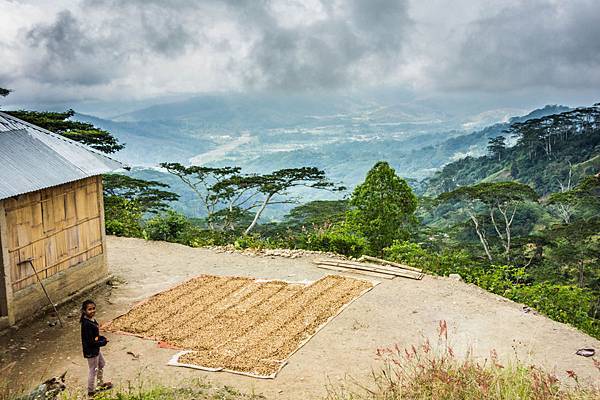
103, 49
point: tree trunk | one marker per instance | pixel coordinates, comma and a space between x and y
258, 213
481, 237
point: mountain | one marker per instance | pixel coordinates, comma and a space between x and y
551, 151
343, 135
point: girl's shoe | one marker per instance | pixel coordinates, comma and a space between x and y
105, 386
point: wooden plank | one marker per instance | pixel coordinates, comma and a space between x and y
54, 233
386, 262
94, 249
367, 267
351, 271
376, 267
100, 201
81, 203
6, 294
48, 215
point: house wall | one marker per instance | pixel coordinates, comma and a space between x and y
61, 230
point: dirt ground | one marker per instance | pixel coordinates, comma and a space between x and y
398, 311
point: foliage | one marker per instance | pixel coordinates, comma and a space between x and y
429, 371
336, 240
496, 147
548, 150
4, 92
169, 226
316, 213
227, 195
563, 303
382, 207
123, 217
497, 197
149, 195
195, 389
61, 123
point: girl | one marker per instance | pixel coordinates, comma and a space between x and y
91, 342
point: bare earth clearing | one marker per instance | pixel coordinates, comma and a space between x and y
398, 311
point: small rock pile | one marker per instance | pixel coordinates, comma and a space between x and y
285, 253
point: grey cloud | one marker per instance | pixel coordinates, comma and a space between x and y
534, 43
323, 54
64, 52
92, 49
326, 54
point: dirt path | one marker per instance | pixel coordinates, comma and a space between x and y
396, 311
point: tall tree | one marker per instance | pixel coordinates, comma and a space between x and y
149, 195
278, 184
205, 182
495, 198
60, 123
382, 207
496, 147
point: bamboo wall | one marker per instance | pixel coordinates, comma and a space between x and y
58, 228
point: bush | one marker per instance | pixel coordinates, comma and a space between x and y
169, 226
335, 240
122, 217
249, 242
563, 303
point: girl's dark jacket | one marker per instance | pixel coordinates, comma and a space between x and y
91, 341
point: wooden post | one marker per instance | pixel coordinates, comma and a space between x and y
6, 278
100, 194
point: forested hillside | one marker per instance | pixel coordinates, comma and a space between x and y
551, 153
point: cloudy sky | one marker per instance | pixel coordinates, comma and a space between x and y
71, 51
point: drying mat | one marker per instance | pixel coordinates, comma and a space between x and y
239, 324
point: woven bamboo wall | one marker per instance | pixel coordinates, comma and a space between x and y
57, 227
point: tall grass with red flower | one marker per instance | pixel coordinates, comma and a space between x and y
436, 372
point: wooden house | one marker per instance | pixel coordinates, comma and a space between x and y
51, 218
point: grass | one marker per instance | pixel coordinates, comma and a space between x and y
423, 373
197, 389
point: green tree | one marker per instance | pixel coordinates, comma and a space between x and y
317, 213
60, 123
149, 195
227, 195
205, 182
382, 207
123, 217
274, 187
494, 198
497, 146
169, 226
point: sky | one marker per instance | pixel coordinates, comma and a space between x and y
502, 53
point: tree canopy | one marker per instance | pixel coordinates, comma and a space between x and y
149, 195
382, 207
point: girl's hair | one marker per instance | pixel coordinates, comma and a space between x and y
83, 308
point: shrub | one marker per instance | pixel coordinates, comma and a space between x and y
563, 303
169, 226
122, 217
335, 240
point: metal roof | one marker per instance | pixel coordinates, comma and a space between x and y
33, 158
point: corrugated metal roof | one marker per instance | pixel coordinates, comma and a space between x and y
32, 158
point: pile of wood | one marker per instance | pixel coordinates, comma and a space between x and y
373, 266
